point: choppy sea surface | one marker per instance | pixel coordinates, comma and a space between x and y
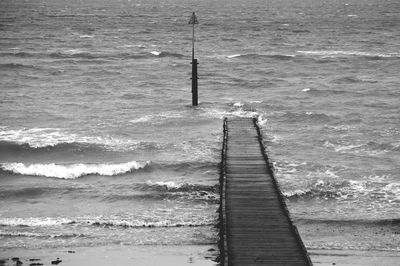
99, 144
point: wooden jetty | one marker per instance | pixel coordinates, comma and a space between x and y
255, 225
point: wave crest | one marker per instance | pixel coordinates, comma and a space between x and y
376, 188
178, 187
88, 55
56, 139
345, 54
38, 235
71, 171
260, 56
371, 148
99, 222
10, 148
372, 222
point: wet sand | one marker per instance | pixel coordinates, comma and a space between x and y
114, 255
176, 256
354, 257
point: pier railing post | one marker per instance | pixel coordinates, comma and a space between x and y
195, 101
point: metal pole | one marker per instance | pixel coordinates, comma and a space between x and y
193, 43
193, 21
195, 100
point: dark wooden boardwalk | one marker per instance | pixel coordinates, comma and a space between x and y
255, 225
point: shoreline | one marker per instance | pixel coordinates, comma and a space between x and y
197, 255
325, 257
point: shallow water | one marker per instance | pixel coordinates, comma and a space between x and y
99, 144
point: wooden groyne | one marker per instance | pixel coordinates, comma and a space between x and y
255, 225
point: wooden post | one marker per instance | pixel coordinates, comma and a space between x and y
195, 101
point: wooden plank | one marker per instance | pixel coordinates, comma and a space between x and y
256, 228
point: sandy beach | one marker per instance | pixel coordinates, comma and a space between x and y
114, 255
178, 255
354, 257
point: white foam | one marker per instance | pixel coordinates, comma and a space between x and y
262, 121
36, 137
245, 113
71, 171
169, 114
44, 137
233, 56
73, 51
331, 174
306, 90
168, 184
336, 53
141, 119
158, 118
18, 234
98, 221
378, 188
152, 222
342, 148
297, 192
296, 164
354, 148
238, 104
34, 221
156, 53
132, 46
86, 36
216, 113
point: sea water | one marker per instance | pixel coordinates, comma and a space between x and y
99, 144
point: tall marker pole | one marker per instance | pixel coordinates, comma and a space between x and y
193, 21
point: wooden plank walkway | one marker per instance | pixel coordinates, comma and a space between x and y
255, 225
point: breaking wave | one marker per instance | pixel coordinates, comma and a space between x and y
14, 234
346, 54
371, 148
352, 222
133, 224
329, 92
82, 54
170, 186
259, 56
321, 54
236, 110
71, 171
162, 190
58, 140
10, 148
166, 54
376, 188
102, 222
